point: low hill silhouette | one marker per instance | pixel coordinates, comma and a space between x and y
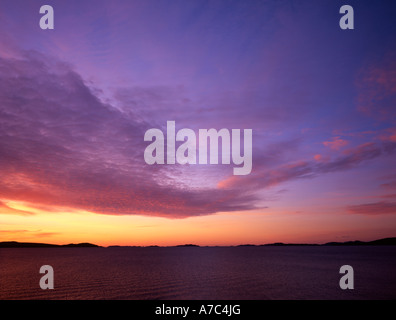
15, 244
379, 242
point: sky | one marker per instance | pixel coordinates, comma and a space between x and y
76, 101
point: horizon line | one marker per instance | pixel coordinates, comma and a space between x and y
382, 241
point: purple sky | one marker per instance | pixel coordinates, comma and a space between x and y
75, 103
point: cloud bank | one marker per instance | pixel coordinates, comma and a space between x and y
60, 145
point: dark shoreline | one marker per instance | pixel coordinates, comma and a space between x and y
15, 244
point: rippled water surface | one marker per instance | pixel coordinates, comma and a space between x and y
199, 273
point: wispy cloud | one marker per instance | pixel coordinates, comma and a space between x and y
336, 143
29, 233
348, 159
376, 83
375, 208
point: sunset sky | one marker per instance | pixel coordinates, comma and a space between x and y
76, 101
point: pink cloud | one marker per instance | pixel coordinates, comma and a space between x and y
321, 158
318, 157
336, 143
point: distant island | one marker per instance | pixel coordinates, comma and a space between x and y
380, 242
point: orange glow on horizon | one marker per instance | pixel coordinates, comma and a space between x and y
249, 227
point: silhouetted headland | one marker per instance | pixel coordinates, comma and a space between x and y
15, 244
379, 242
